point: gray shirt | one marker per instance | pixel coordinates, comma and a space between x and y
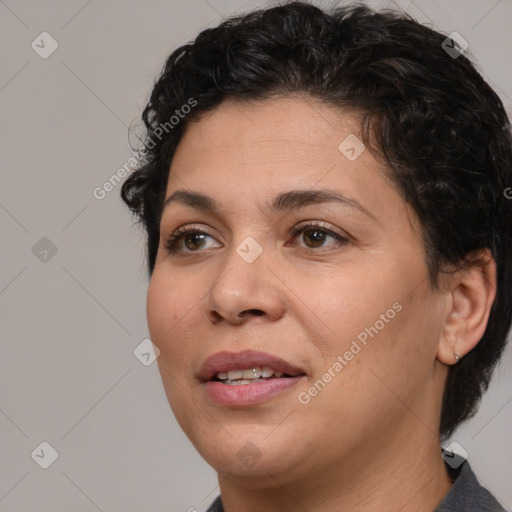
466, 495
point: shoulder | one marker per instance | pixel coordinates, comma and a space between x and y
216, 506
468, 495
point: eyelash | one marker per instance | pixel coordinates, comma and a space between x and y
174, 239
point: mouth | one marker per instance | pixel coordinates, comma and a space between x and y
247, 378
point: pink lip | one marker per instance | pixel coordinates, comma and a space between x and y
225, 361
246, 394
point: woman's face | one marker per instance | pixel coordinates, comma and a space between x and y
342, 305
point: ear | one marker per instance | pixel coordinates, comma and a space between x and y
471, 292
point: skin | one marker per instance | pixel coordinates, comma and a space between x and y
369, 439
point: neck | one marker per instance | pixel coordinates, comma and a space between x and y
406, 474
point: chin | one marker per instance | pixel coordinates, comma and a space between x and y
258, 469
250, 452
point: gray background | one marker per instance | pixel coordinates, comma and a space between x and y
70, 323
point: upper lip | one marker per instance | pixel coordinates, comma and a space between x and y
226, 361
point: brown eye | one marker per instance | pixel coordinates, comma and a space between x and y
187, 239
194, 241
315, 236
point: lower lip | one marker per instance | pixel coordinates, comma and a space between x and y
248, 394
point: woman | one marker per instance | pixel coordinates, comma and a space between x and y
329, 248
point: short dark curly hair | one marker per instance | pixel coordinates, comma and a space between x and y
431, 117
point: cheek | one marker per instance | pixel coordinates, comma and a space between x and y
168, 309
174, 309
159, 305
345, 308
373, 323
168, 323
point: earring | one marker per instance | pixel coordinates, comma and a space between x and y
457, 358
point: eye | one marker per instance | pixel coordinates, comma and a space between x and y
316, 234
192, 238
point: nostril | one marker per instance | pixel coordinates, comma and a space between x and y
256, 312
215, 317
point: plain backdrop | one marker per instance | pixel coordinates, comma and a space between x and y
72, 275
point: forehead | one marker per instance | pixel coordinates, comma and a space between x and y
243, 152
284, 125
270, 141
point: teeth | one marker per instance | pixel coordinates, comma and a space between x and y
248, 374
253, 373
267, 372
238, 382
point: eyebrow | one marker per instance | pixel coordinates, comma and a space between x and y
292, 200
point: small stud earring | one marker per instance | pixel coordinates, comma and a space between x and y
457, 358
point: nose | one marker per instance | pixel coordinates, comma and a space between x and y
245, 291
